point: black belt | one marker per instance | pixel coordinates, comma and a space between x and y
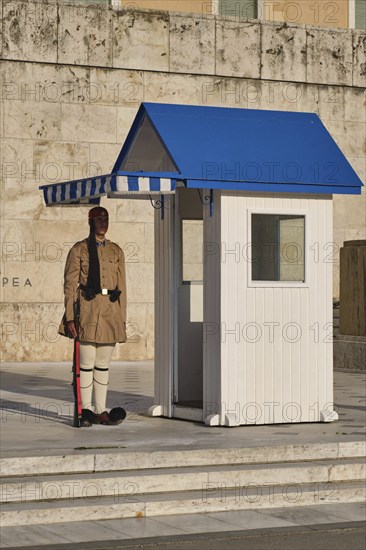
89, 294
103, 291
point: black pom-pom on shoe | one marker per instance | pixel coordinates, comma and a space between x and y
117, 415
87, 417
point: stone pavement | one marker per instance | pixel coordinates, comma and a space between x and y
37, 405
36, 420
168, 528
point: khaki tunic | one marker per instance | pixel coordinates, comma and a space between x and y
101, 321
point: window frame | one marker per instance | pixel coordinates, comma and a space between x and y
352, 12
182, 280
253, 283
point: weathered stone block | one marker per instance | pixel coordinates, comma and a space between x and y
30, 30
329, 56
238, 49
223, 91
55, 239
103, 156
135, 211
17, 159
288, 96
331, 102
355, 105
356, 234
59, 161
283, 52
125, 118
90, 123
1, 118
149, 243
43, 83
349, 353
306, 98
16, 239
135, 347
359, 165
171, 88
260, 94
150, 335
29, 333
281, 96
24, 201
359, 58
349, 136
140, 282
1, 29
192, 45
141, 40
32, 120
77, 213
85, 35
118, 87
31, 281
343, 205
130, 237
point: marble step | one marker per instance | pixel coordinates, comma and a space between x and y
213, 499
135, 482
121, 460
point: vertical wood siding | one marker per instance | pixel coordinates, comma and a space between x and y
164, 300
276, 345
211, 308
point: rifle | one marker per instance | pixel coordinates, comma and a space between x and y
76, 373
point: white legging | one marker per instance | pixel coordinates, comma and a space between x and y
94, 374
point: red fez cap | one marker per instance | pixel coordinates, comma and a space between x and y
96, 212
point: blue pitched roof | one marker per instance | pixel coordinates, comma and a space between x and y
217, 148
231, 148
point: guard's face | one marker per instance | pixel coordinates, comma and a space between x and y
101, 225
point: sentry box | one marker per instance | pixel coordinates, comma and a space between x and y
243, 257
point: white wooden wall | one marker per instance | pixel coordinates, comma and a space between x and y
289, 379
164, 309
211, 309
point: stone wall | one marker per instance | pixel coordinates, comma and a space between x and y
72, 81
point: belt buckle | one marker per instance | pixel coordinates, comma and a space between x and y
105, 291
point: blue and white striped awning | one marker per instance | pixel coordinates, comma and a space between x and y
88, 191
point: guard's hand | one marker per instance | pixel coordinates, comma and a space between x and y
71, 329
114, 295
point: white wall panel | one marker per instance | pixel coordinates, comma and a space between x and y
289, 378
212, 309
164, 300
329, 308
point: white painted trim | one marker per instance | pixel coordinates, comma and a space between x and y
212, 420
187, 413
278, 284
164, 231
177, 258
352, 14
231, 420
261, 10
328, 415
155, 410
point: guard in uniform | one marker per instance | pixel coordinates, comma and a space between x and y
95, 311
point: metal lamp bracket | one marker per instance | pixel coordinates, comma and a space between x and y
207, 200
159, 204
